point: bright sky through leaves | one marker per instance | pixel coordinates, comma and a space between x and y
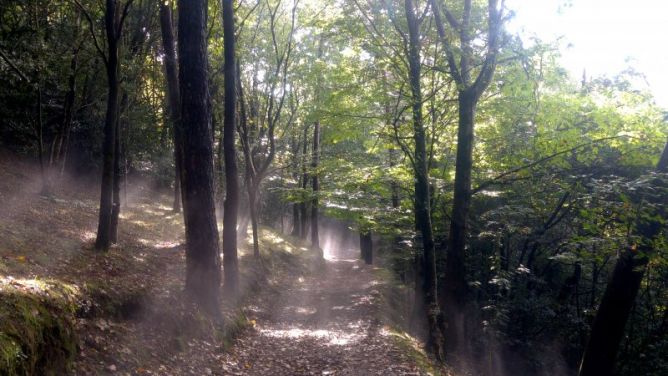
603, 36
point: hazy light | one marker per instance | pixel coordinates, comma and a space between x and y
332, 337
602, 37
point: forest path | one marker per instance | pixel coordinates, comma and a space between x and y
325, 323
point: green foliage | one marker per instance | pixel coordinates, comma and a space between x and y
562, 169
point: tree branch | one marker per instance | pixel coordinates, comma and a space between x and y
91, 26
492, 181
14, 67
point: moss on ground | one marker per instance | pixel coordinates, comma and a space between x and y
37, 334
413, 349
396, 299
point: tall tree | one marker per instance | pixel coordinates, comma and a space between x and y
315, 236
114, 18
257, 130
231, 205
173, 103
203, 275
303, 204
60, 142
422, 201
117, 176
620, 294
295, 149
469, 91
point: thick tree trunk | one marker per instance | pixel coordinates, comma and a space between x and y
103, 240
620, 294
422, 199
470, 89
203, 275
231, 205
366, 247
315, 237
455, 287
173, 103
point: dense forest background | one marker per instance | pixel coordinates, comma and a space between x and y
522, 210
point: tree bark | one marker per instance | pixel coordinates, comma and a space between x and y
295, 175
252, 203
68, 112
422, 195
40, 142
103, 240
366, 247
315, 237
394, 187
203, 275
231, 205
470, 90
296, 221
620, 294
303, 204
173, 102
116, 191
454, 283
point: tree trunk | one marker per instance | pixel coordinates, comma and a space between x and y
103, 240
68, 112
59, 148
242, 232
40, 142
295, 148
116, 194
252, 206
422, 200
303, 204
394, 187
296, 230
173, 103
315, 238
231, 205
455, 287
620, 294
203, 275
366, 247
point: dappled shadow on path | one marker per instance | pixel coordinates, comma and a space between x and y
325, 323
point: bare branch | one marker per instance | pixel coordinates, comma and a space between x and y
91, 26
124, 14
243, 20
14, 67
450, 56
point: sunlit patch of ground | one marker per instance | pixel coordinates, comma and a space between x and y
327, 337
325, 322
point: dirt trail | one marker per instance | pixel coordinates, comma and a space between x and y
322, 324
